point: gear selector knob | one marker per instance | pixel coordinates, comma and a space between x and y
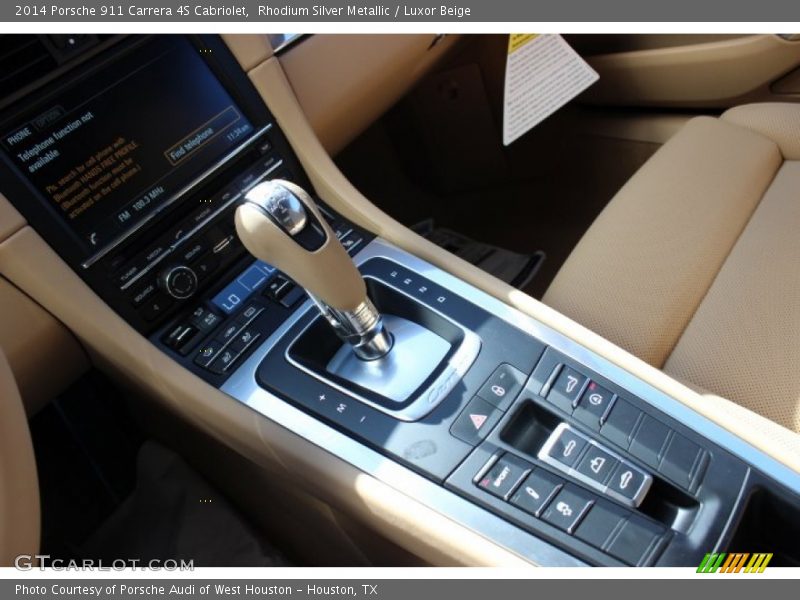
280, 224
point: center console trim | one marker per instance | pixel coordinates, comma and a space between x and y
242, 385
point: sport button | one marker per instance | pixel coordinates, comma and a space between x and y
504, 475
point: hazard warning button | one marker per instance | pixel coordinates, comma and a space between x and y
475, 421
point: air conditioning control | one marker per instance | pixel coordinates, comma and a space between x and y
179, 281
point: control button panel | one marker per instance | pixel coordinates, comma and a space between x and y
598, 467
569, 387
543, 498
220, 353
486, 409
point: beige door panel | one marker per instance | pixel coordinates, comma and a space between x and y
345, 82
714, 75
19, 485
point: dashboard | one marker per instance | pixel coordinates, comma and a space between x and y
131, 168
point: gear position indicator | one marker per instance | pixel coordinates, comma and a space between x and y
595, 465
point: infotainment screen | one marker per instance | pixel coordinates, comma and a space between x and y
107, 150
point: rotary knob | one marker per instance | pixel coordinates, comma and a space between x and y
179, 281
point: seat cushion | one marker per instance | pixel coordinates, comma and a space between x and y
743, 343
640, 272
693, 265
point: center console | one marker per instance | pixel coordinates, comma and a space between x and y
474, 409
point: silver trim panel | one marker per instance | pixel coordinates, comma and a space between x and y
242, 385
458, 364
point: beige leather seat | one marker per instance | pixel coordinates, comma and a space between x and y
694, 266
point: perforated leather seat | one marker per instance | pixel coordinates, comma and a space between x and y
694, 266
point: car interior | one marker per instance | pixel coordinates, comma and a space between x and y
288, 300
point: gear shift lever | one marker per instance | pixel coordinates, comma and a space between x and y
279, 224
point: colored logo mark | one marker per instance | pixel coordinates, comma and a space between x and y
734, 562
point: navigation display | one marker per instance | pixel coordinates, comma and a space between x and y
111, 148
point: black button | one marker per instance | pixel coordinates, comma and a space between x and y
503, 386
143, 292
250, 311
277, 287
566, 389
193, 250
597, 464
204, 319
536, 490
567, 507
568, 447
245, 338
635, 540
352, 241
228, 332
620, 423
205, 266
155, 307
341, 229
648, 441
207, 353
600, 522
223, 361
593, 405
475, 421
129, 271
626, 481
292, 296
180, 337
504, 475
679, 460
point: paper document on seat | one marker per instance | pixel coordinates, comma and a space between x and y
542, 74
